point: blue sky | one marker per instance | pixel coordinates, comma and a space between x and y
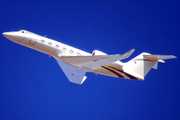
32, 86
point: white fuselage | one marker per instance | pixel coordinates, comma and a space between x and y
54, 48
45, 45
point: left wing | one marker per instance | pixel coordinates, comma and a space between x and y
72, 73
92, 62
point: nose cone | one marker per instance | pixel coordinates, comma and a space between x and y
8, 34
14, 36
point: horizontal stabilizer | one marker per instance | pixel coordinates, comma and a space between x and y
159, 58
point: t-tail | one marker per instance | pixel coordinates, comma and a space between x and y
139, 66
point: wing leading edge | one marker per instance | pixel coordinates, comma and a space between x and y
92, 62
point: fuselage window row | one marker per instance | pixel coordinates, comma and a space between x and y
57, 46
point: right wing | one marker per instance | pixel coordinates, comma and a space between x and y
92, 62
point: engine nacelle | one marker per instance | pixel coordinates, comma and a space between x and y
97, 52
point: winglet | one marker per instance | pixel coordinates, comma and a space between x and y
127, 54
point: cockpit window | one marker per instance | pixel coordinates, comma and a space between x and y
26, 32
22, 31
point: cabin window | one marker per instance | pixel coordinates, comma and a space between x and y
64, 48
78, 54
49, 43
42, 41
22, 31
57, 46
71, 51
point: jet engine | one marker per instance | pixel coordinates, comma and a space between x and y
97, 52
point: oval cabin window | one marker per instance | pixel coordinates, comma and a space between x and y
64, 48
42, 41
78, 54
71, 51
49, 43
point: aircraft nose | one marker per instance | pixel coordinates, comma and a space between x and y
13, 36
8, 34
4, 33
